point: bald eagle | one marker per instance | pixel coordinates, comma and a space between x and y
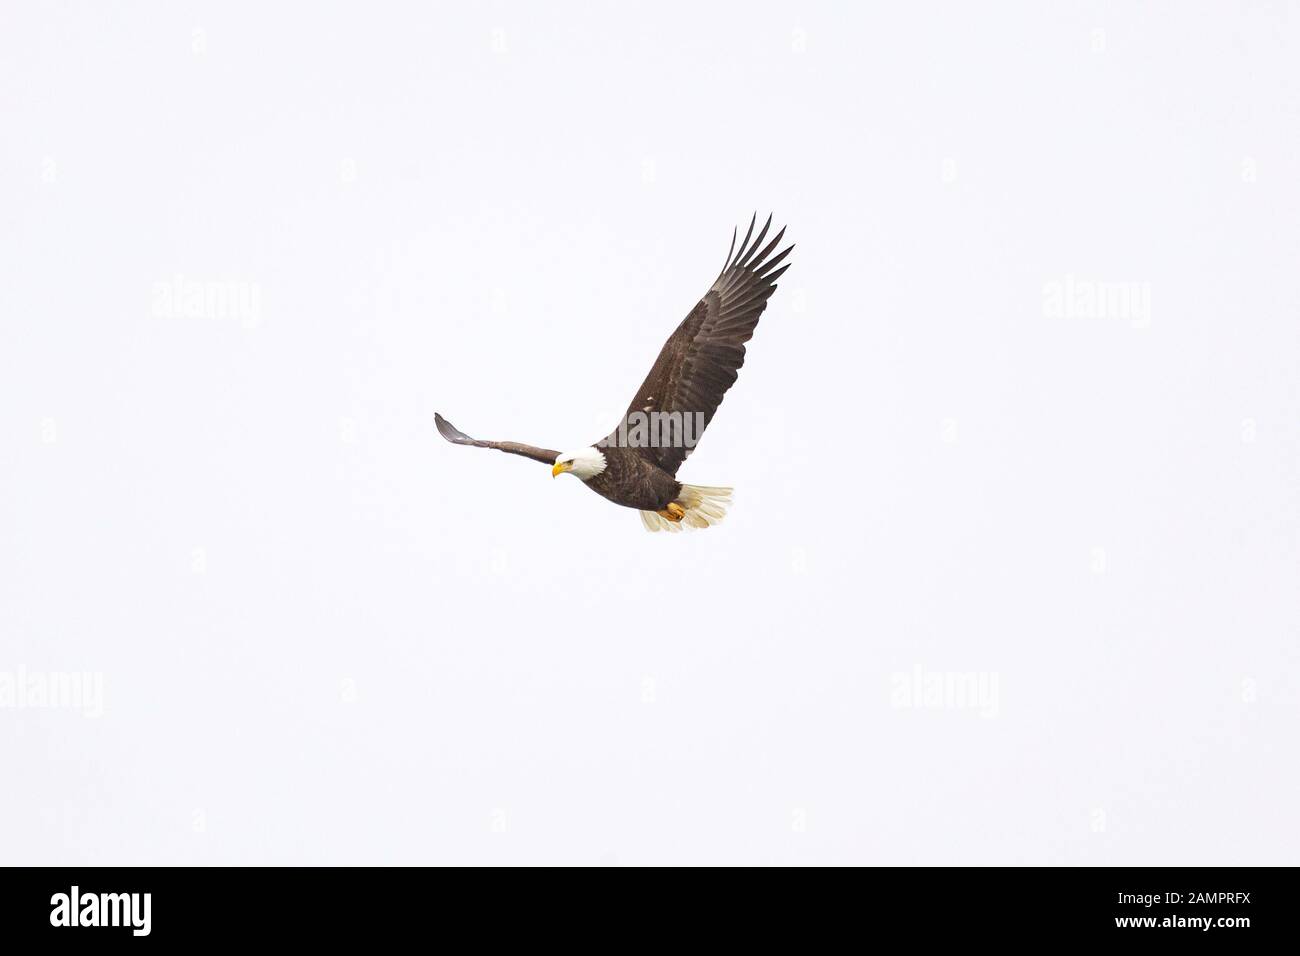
636, 465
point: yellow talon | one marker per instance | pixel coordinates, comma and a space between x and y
674, 512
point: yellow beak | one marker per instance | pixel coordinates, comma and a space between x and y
561, 467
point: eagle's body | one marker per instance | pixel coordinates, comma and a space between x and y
636, 465
631, 481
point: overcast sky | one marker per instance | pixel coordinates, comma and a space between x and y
1012, 570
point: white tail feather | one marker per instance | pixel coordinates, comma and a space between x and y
703, 506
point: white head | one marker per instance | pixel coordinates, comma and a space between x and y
586, 463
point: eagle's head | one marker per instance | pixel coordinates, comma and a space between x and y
586, 463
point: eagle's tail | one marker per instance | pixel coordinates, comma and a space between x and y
700, 507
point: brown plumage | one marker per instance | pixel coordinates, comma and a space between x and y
679, 398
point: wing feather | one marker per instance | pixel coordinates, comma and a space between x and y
703, 357
457, 437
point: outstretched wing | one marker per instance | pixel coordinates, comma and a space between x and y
702, 358
449, 431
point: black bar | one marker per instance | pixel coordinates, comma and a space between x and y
1175, 906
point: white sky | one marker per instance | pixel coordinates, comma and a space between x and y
326, 636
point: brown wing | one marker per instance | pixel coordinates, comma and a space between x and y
449, 431
702, 358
